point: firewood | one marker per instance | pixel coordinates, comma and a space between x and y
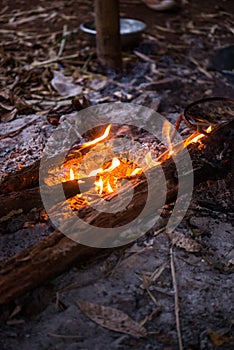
39, 263
54, 254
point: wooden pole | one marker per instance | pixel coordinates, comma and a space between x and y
108, 33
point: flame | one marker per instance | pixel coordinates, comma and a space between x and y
95, 172
194, 138
103, 183
72, 176
99, 186
98, 139
166, 133
115, 163
109, 175
136, 171
209, 129
149, 161
109, 188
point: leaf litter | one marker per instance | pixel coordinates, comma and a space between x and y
179, 240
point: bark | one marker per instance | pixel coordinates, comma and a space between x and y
29, 199
24, 178
108, 33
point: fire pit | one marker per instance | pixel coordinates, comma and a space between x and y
130, 31
89, 180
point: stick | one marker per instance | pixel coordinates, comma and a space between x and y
177, 308
63, 42
52, 60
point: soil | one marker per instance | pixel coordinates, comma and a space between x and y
170, 68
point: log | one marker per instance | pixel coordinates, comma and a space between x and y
108, 33
26, 200
54, 254
27, 177
39, 263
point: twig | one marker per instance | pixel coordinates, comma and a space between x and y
145, 284
84, 68
177, 308
142, 56
177, 125
63, 41
202, 70
153, 314
29, 12
52, 60
158, 309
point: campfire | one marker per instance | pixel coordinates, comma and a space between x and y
210, 149
108, 177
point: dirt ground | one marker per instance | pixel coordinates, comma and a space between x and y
170, 68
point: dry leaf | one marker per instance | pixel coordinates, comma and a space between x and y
218, 339
64, 86
181, 241
8, 116
113, 319
10, 105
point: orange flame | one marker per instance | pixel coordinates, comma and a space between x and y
149, 161
109, 188
209, 129
103, 183
108, 176
99, 139
193, 139
72, 176
166, 133
136, 171
115, 163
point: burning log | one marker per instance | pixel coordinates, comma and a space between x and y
24, 201
51, 256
